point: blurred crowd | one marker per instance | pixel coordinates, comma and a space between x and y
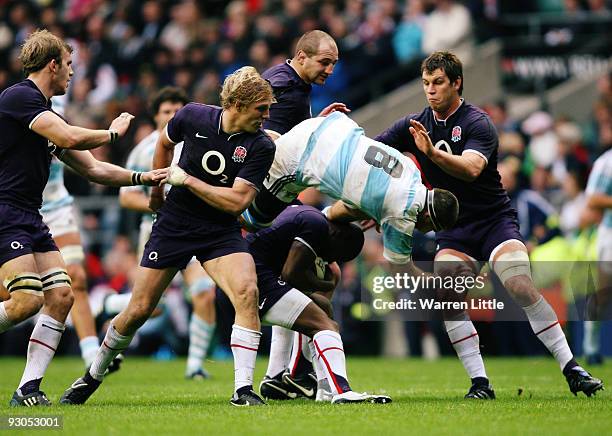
125, 50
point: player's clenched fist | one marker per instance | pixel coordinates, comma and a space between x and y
176, 176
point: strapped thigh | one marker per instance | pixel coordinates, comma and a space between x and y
73, 254
55, 278
511, 264
26, 282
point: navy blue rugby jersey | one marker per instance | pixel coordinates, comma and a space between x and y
292, 96
468, 129
24, 154
306, 224
215, 157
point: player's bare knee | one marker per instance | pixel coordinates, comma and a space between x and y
514, 271
246, 296
522, 289
26, 294
59, 300
26, 306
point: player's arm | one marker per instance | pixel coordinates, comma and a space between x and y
272, 134
599, 201
232, 200
63, 135
299, 270
134, 200
466, 167
84, 163
342, 213
164, 152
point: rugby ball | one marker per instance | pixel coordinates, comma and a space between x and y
320, 265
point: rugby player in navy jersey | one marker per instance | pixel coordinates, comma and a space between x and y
31, 266
316, 54
225, 157
455, 145
292, 291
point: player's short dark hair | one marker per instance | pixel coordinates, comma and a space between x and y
347, 239
446, 208
40, 48
447, 62
170, 94
310, 41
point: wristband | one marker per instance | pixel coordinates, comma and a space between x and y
136, 178
114, 136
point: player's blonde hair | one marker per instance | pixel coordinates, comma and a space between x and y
39, 49
244, 87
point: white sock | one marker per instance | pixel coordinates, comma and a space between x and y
89, 348
5, 322
465, 341
244, 343
200, 335
545, 325
330, 353
280, 350
299, 350
306, 347
113, 344
318, 367
43, 343
115, 303
590, 342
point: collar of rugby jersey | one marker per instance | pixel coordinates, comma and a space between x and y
220, 131
445, 120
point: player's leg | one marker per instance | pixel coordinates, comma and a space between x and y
49, 327
598, 305
296, 311
22, 291
148, 288
202, 324
301, 374
461, 331
235, 274
510, 262
82, 318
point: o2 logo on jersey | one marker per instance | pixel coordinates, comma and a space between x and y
51, 146
239, 154
456, 134
443, 145
16, 245
221, 168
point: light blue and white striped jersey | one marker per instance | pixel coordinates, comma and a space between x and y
55, 194
600, 181
333, 155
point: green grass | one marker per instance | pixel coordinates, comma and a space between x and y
150, 397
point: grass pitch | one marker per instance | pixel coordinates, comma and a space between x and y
152, 397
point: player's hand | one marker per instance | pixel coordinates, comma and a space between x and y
121, 123
333, 273
340, 107
421, 138
154, 177
368, 224
156, 200
176, 176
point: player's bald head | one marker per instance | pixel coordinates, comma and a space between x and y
311, 41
